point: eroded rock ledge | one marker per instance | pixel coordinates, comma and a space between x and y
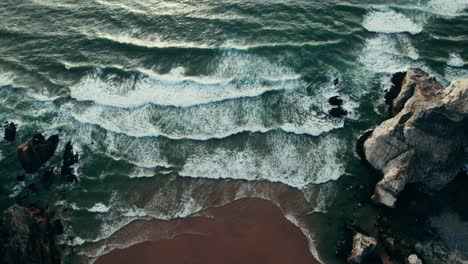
425, 139
28, 236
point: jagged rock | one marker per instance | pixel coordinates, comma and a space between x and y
34, 153
70, 158
363, 246
413, 259
10, 131
337, 111
426, 139
335, 100
28, 236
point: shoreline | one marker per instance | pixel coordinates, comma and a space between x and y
248, 230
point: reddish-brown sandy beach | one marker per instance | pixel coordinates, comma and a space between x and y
249, 230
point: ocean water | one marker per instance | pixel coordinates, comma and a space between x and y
169, 101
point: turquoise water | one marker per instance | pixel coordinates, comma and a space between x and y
167, 100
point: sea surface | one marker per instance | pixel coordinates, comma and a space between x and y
175, 106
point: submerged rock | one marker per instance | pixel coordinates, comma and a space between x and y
48, 177
338, 111
10, 131
363, 246
28, 236
34, 153
425, 140
335, 100
70, 158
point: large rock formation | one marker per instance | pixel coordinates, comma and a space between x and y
425, 139
34, 153
28, 236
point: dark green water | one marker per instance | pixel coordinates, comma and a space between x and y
165, 100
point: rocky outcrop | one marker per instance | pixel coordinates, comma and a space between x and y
10, 131
28, 236
363, 246
425, 140
34, 153
70, 158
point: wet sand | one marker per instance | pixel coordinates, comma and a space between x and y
249, 230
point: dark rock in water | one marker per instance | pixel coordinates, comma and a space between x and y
363, 247
28, 236
70, 158
426, 139
338, 112
335, 100
336, 81
34, 153
10, 131
47, 177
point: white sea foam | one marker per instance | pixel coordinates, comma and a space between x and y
76, 241
6, 79
388, 54
456, 60
386, 20
248, 76
135, 212
307, 233
99, 208
142, 172
287, 162
17, 189
448, 7
42, 97
144, 154
212, 121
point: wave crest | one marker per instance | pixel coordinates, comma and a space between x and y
236, 76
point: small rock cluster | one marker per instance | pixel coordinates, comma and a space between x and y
337, 110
